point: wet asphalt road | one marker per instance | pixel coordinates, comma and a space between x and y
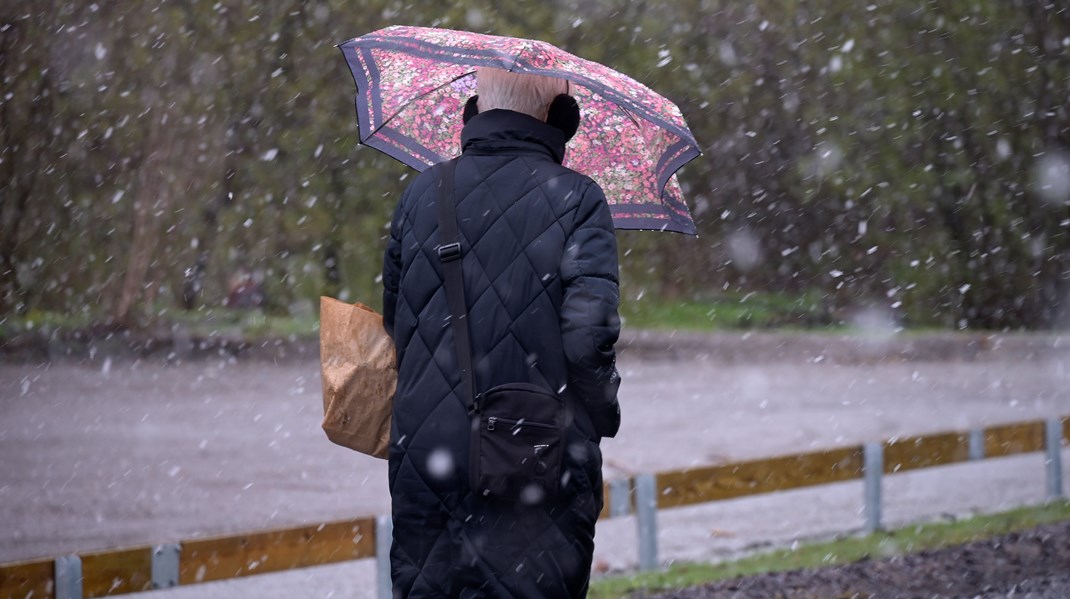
115, 453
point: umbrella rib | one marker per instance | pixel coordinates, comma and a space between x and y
626, 112
394, 116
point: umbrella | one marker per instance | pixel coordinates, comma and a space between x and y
412, 83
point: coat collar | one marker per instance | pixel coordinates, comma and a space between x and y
504, 130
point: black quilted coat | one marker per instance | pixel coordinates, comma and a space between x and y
540, 276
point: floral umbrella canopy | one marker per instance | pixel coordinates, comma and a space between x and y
412, 83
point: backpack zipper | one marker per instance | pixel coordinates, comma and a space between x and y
494, 420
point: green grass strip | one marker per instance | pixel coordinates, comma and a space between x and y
910, 539
727, 312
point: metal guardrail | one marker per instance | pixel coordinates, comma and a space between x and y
135, 569
115, 572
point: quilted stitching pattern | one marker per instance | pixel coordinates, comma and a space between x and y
518, 210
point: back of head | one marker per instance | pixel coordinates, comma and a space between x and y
529, 94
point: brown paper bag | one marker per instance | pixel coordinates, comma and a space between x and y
359, 371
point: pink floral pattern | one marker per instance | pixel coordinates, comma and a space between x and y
412, 83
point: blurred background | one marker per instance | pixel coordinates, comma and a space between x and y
188, 173
194, 164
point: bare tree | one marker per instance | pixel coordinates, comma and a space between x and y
25, 114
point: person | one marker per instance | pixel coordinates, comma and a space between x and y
540, 279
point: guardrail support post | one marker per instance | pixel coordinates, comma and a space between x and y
182, 343
619, 497
646, 506
68, 575
977, 445
873, 468
165, 565
384, 534
1054, 442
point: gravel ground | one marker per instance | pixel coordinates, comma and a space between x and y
1032, 564
112, 451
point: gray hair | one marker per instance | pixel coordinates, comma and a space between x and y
529, 94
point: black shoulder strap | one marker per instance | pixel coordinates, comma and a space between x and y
449, 252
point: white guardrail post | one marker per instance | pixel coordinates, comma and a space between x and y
68, 573
646, 508
165, 565
977, 445
620, 504
384, 534
873, 469
1053, 437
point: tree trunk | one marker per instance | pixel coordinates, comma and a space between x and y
22, 149
152, 191
193, 284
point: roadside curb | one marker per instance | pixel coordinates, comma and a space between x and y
729, 347
126, 346
815, 348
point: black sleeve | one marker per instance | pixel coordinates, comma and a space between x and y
392, 270
589, 321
